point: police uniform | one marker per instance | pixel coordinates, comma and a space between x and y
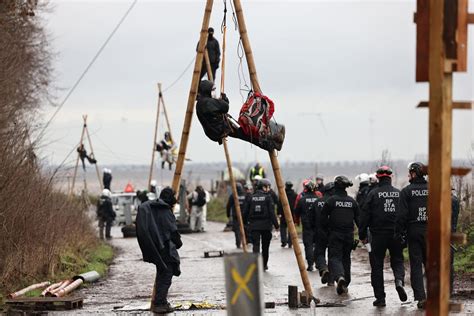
379, 215
259, 212
231, 213
338, 216
306, 210
413, 220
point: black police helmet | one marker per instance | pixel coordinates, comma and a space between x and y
288, 184
418, 168
342, 182
328, 186
264, 183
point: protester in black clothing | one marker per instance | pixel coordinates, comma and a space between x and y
214, 53
412, 221
306, 210
259, 212
105, 214
377, 227
158, 237
454, 224
322, 238
212, 114
338, 216
291, 195
232, 214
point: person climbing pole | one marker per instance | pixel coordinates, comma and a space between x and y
217, 124
214, 52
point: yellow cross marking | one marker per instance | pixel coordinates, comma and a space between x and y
242, 283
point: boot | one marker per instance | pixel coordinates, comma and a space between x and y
379, 302
401, 291
162, 309
324, 276
162, 165
421, 304
341, 286
277, 132
310, 267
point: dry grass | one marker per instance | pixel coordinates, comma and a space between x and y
37, 223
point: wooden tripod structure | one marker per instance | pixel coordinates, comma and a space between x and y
256, 87
161, 103
85, 132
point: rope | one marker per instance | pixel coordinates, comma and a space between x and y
180, 76
41, 134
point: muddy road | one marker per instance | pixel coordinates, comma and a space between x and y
130, 281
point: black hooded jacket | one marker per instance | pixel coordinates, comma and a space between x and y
291, 195
340, 212
380, 210
306, 209
259, 211
105, 210
211, 113
158, 236
230, 205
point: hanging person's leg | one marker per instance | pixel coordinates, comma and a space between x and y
268, 144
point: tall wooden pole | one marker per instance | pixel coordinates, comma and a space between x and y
237, 209
273, 157
84, 125
165, 111
208, 66
440, 141
183, 145
96, 166
153, 150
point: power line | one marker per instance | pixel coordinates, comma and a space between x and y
87, 68
180, 76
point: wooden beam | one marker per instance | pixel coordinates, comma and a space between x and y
458, 105
470, 18
455, 171
183, 145
422, 20
461, 36
155, 135
439, 199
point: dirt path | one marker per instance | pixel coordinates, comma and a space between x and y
130, 280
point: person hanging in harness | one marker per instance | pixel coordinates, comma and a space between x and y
214, 52
83, 156
254, 125
167, 148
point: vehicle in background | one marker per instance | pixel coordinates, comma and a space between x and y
125, 206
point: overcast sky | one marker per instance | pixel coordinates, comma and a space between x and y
341, 73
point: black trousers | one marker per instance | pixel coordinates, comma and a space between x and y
213, 69
380, 244
284, 234
320, 252
309, 244
107, 224
340, 247
236, 229
265, 236
162, 285
417, 253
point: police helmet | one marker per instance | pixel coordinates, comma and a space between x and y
417, 167
239, 186
384, 171
328, 186
288, 184
310, 186
342, 181
264, 183
106, 192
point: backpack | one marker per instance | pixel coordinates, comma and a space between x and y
201, 199
255, 115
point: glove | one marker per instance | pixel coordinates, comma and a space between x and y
402, 239
224, 98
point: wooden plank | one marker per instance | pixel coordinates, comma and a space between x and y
456, 307
293, 296
461, 36
458, 105
45, 299
455, 171
450, 23
470, 18
439, 199
422, 40
459, 238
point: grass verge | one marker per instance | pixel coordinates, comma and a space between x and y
216, 210
464, 257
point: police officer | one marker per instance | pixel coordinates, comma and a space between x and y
259, 211
231, 212
320, 184
413, 220
291, 194
338, 216
306, 210
322, 238
364, 188
379, 215
105, 214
